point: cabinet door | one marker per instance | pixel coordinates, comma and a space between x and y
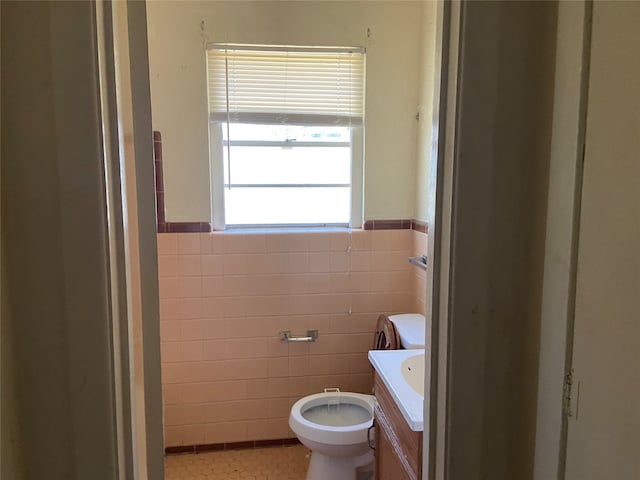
388, 466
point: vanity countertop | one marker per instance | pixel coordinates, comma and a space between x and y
388, 365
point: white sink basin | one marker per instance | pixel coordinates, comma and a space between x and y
402, 372
413, 372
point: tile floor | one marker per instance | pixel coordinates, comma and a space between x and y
273, 463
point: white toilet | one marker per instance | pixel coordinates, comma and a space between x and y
334, 426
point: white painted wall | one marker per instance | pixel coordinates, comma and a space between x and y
603, 433
178, 88
426, 82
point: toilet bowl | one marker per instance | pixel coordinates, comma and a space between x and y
334, 426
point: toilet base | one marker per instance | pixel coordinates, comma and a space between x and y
324, 467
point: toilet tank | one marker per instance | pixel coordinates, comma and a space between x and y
411, 329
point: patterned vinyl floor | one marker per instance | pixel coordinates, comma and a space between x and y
274, 463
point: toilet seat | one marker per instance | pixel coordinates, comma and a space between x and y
326, 434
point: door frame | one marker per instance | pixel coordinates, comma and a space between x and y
561, 243
495, 253
441, 168
573, 43
125, 35
123, 63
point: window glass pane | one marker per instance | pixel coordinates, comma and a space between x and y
283, 133
289, 165
272, 206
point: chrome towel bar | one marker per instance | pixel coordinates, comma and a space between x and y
420, 262
311, 336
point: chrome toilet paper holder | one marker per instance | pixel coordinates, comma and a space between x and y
311, 336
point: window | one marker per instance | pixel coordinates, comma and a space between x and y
286, 128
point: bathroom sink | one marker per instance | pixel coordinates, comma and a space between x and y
413, 372
402, 372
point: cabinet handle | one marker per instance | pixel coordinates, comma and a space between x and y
373, 425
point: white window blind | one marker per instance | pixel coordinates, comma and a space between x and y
286, 85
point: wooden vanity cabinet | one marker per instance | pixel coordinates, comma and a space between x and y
398, 448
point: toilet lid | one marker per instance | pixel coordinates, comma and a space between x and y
385, 337
411, 329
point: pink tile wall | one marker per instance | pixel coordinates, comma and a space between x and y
225, 296
419, 280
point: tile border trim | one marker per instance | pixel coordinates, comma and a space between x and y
216, 447
205, 227
419, 226
401, 224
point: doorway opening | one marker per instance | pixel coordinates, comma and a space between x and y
226, 294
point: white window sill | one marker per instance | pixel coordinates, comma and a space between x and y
300, 229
